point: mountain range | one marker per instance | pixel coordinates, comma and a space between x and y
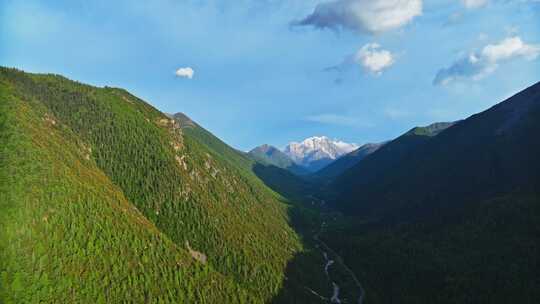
316, 152
106, 199
306, 157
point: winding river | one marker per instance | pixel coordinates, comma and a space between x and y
335, 296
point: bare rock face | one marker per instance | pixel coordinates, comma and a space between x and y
199, 256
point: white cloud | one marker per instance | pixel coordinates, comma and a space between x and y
186, 72
508, 48
484, 62
373, 58
474, 3
371, 16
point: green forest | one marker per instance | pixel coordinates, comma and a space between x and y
104, 198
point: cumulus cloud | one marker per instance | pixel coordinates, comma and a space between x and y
369, 16
186, 72
373, 58
510, 47
484, 62
474, 3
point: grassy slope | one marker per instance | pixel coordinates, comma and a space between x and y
69, 235
190, 195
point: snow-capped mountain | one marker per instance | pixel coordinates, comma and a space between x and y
316, 152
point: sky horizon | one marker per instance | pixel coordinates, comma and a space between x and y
274, 71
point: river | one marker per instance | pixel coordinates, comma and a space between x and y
329, 262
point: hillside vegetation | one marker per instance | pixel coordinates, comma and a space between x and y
105, 199
69, 235
106, 196
448, 216
289, 186
478, 158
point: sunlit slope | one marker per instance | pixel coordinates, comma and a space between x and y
304, 273
236, 158
291, 187
69, 235
198, 201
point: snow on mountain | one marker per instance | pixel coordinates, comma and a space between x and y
316, 152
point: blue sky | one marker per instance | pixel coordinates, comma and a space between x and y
274, 71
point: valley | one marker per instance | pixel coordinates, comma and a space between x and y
107, 199
270, 152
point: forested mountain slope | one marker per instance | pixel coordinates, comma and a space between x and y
490, 154
306, 281
455, 219
285, 183
382, 161
68, 233
346, 162
236, 158
110, 174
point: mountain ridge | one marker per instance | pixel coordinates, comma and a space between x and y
106, 199
81, 233
449, 210
271, 155
477, 137
342, 164
176, 183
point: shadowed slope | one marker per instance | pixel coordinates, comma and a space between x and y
490, 154
346, 162
454, 217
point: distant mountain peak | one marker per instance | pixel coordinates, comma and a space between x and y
317, 151
265, 148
